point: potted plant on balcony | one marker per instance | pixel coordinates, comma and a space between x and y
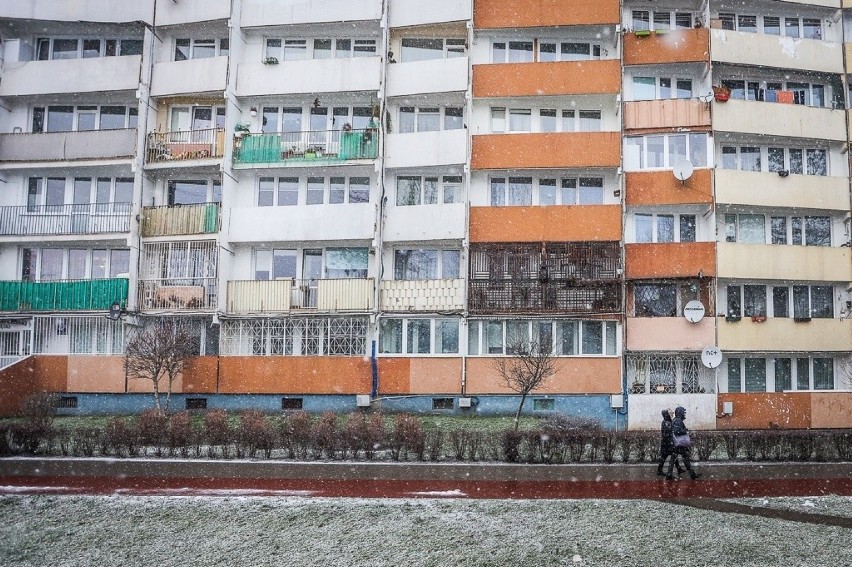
270, 61
241, 129
721, 93
758, 318
310, 152
642, 33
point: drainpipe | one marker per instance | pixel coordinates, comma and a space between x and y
465, 322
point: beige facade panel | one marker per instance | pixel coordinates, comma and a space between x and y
171, 78
780, 52
777, 119
785, 334
669, 334
71, 76
760, 189
776, 262
309, 77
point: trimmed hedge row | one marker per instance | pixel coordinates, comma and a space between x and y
401, 437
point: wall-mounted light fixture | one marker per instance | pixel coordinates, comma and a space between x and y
253, 111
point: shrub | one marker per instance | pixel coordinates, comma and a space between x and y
255, 434
119, 438
407, 437
217, 430
377, 434
354, 435
295, 431
324, 436
704, 443
85, 440
434, 443
510, 443
5, 449
733, 441
459, 439
25, 437
842, 441
180, 433
154, 429
39, 409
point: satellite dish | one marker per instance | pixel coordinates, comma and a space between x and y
683, 169
711, 357
694, 311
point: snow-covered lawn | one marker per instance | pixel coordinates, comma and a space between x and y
295, 531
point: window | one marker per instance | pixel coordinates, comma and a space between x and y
655, 300
564, 338
419, 336
808, 231
783, 374
83, 117
748, 229
200, 48
523, 191
751, 158
418, 264
815, 301
544, 404
284, 191
650, 227
274, 264
804, 93
662, 20
663, 151
423, 49
567, 51
430, 119
417, 190
196, 403
75, 48
443, 403
52, 264
105, 192
295, 336
651, 88
292, 403
296, 49
345, 263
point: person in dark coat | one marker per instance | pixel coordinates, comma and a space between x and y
678, 429
667, 444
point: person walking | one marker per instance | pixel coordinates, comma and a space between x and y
682, 444
667, 443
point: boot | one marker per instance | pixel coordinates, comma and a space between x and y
694, 475
669, 477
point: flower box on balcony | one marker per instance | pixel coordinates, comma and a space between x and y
642, 33
722, 94
758, 318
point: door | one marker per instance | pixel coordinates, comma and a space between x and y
319, 129
311, 272
81, 206
202, 122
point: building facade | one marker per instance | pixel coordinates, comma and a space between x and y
366, 203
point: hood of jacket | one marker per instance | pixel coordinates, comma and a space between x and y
666, 415
680, 412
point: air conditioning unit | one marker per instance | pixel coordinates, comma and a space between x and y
616, 401
728, 408
465, 403
362, 400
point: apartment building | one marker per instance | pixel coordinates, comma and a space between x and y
367, 203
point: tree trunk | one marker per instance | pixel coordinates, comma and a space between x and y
157, 394
518, 413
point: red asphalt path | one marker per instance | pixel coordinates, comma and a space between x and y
414, 488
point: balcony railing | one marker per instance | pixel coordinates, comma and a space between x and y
191, 294
88, 145
181, 146
331, 295
424, 295
306, 147
180, 219
63, 295
533, 296
92, 218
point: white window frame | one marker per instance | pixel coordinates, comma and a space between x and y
442, 118
658, 87
444, 182
217, 46
655, 227
764, 158
439, 253
652, 24
477, 333
433, 333
640, 166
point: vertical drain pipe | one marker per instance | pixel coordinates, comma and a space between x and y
374, 366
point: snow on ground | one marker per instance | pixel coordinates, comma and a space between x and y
293, 531
830, 505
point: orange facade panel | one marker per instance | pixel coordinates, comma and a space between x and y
670, 260
200, 375
566, 223
766, 410
294, 375
666, 114
678, 46
99, 374
543, 13
412, 375
546, 150
663, 188
541, 79
573, 376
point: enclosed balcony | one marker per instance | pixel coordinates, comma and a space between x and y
779, 262
544, 13
784, 334
65, 295
779, 119
94, 218
422, 295
670, 260
306, 149
191, 146
312, 76
178, 276
180, 220
282, 296
555, 223
762, 189
675, 113
422, 149
260, 13
666, 46
569, 278
763, 50
546, 150
173, 78
551, 78
27, 150
72, 76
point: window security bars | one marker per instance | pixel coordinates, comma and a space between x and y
668, 374
295, 336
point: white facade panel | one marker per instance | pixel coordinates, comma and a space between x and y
170, 13
71, 76
257, 13
424, 222
80, 10
418, 149
645, 410
309, 77
302, 223
192, 76
432, 76
406, 13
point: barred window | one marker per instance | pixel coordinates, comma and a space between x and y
295, 336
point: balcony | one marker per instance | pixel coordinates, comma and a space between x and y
26, 150
544, 13
172, 78
666, 334
553, 78
675, 46
424, 222
281, 296
778, 119
422, 295
329, 222
170, 13
426, 77
178, 294
784, 334
779, 262
423, 149
435, 12
305, 149
179, 220
94, 218
65, 295
311, 77
100, 12
264, 13
663, 188
546, 150
191, 146
567, 223
775, 51
647, 114
71, 76
759, 189
670, 260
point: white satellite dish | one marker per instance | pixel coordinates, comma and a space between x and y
711, 357
693, 311
683, 169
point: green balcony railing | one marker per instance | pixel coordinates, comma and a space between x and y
318, 145
63, 295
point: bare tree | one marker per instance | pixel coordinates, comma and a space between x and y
159, 351
528, 367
